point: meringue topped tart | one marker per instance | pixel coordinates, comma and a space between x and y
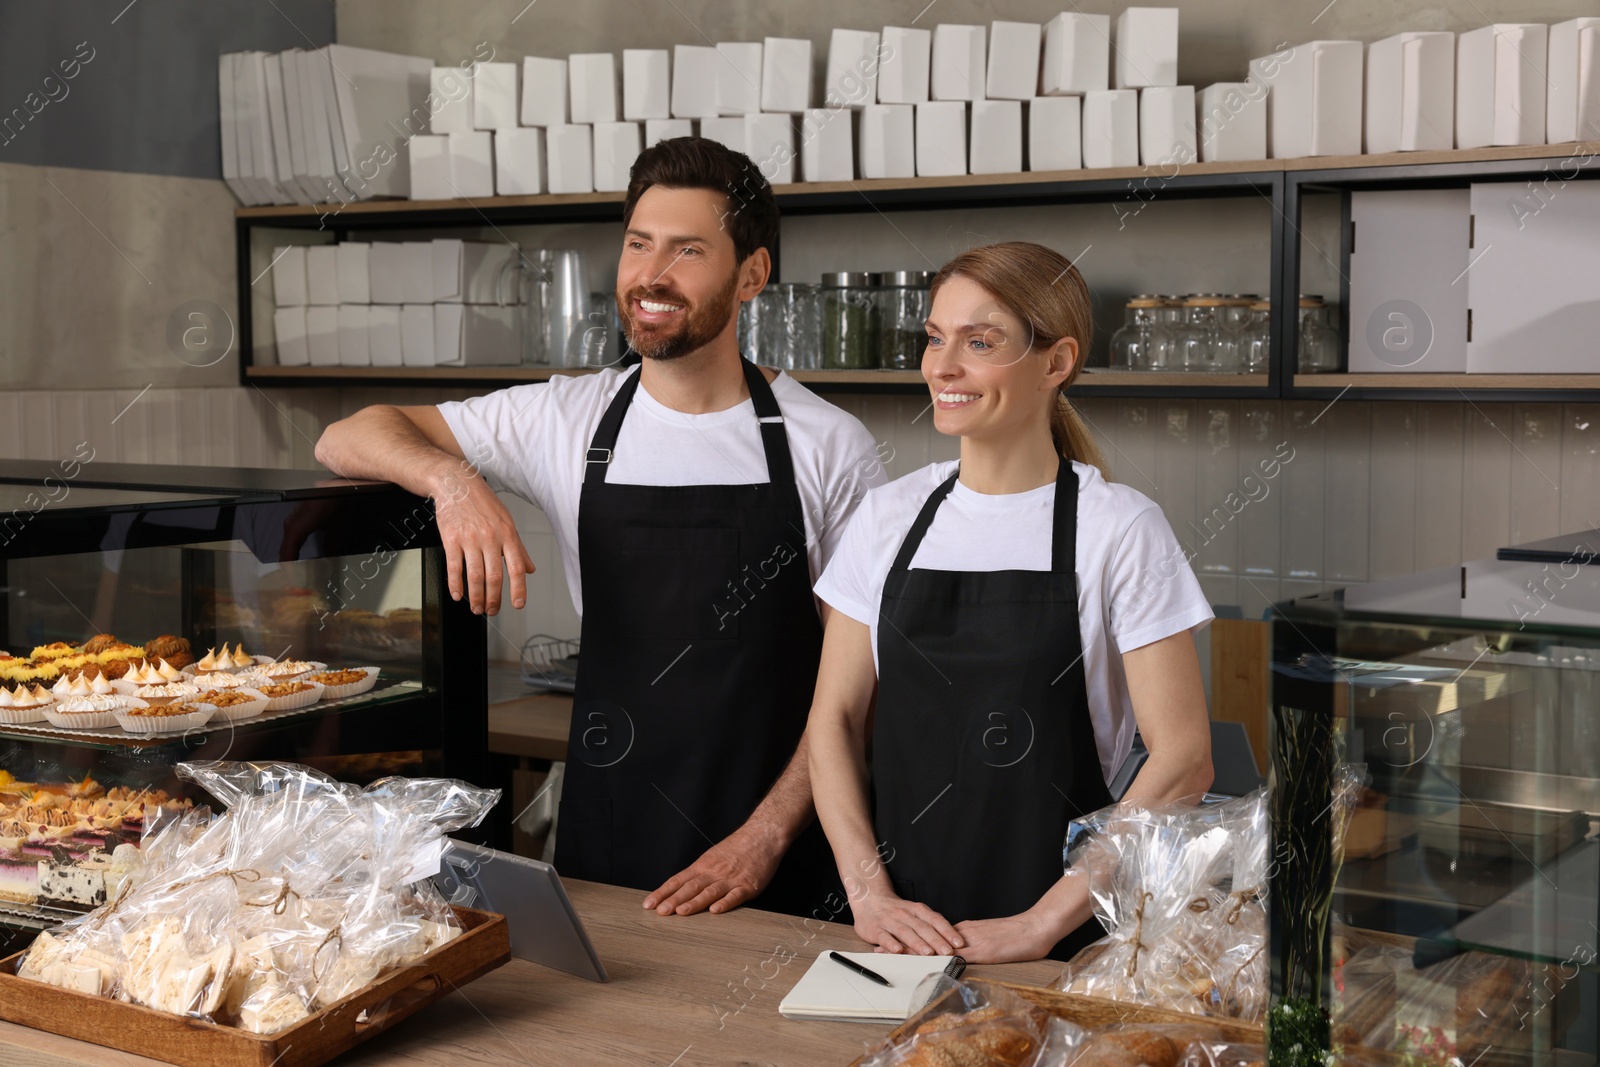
159, 673
228, 659
81, 686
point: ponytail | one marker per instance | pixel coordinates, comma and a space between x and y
1072, 437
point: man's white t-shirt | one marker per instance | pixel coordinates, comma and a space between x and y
532, 440
1135, 585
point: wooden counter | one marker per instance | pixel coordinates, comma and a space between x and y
684, 992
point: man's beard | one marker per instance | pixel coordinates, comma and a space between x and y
700, 326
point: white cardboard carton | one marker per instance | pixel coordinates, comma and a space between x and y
387, 262
786, 74
1166, 125
416, 335
430, 167
544, 92
416, 272
383, 335
888, 141
472, 162
472, 272
725, 131
853, 61
1013, 61
1411, 92
1500, 85
289, 276
903, 74
959, 64
1572, 111
739, 77
827, 145
494, 96
694, 82
665, 129
996, 144
941, 138
769, 142
1313, 99
1111, 128
453, 88
353, 350
616, 146
1077, 55
1231, 124
1055, 128
1408, 298
593, 80
289, 326
475, 336
366, 105
646, 84
322, 336
322, 275
569, 158
355, 272
1147, 47
519, 161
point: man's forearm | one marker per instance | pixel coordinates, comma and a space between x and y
787, 809
381, 443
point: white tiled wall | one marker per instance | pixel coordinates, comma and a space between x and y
1372, 489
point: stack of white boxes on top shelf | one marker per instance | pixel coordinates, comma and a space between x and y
444, 302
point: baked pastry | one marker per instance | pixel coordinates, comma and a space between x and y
284, 689
175, 650
333, 678
99, 643
986, 1037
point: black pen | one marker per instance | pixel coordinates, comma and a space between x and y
862, 971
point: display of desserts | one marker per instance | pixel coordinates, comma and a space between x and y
102, 655
24, 704
230, 659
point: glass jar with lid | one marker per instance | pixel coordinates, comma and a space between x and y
1205, 344
1319, 341
1134, 346
1255, 338
849, 321
792, 333
1166, 346
902, 305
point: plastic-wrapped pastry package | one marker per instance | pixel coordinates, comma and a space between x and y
303, 892
981, 1025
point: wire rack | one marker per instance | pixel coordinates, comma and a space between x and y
550, 663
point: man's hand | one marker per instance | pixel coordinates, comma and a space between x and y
478, 533
725, 876
897, 925
1015, 938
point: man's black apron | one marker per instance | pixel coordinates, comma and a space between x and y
983, 749
698, 659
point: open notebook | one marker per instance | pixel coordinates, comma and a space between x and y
829, 990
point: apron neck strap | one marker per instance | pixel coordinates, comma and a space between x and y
774, 440
1064, 522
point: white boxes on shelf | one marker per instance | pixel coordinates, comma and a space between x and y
739, 77
1013, 60
289, 276
353, 336
322, 336
903, 74
453, 88
1166, 125
383, 335
416, 335
429, 164
996, 139
592, 77
544, 91
355, 272
786, 74
475, 336
1111, 128
1313, 99
472, 162
941, 138
769, 142
471, 272
494, 96
959, 67
1231, 125
888, 141
569, 159
666, 129
1408, 296
1077, 55
853, 61
386, 261
1147, 47
1055, 130
416, 272
519, 161
1500, 85
827, 146
616, 146
1411, 92
725, 131
1572, 107
694, 81
322, 275
289, 327
646, 84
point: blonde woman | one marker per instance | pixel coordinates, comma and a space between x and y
1000, 626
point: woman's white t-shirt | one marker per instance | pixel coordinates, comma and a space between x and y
1135, 585
532, 440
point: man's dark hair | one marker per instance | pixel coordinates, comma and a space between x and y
751, 218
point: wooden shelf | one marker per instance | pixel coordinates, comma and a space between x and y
320, 375
1467, 383
1093, 378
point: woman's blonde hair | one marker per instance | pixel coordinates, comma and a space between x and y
1041, 287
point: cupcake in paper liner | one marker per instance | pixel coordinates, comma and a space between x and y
23, 705
234, 703
286, 696
345, 683
165, 718
89, 713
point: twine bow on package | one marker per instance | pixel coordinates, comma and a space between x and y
304, 891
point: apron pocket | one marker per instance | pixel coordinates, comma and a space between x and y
695, 587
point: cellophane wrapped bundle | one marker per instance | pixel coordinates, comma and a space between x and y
304, 891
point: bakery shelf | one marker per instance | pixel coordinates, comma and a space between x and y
1485, 388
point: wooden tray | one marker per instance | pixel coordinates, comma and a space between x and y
483, 945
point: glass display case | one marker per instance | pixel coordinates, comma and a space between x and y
280, 565
1445, 728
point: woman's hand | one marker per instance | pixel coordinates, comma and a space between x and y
1015, 938
897, 925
